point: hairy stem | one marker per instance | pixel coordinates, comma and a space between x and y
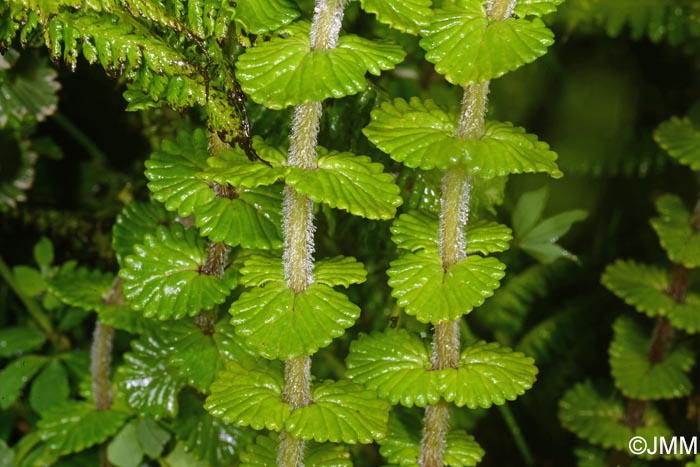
454, 215
100, 361
298, 223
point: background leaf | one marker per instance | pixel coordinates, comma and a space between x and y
599, 419
636, 376
643, 287
16, 340
676, 232
50, 388
16, 375
680, 140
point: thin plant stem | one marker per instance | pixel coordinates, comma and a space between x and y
298, 223
454, 215
32, 307
79, 136
517, 434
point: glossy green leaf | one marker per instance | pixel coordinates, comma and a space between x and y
339, 271
525, 8
396, 364
637, 377
150, 384
462, 450
263, 453
124, 450
192, 351
260, 16
250, 393
402, 447
50, 388
680, 140
643, 287
348, 182
375, 55
418, 133
251, 218
422, 135
285, 71
16, 340
229, 345
281, 324
469, 48
260, 269
431, 294
600, 419
16, 375
75, 426
487, 237
235, 169
341, 411
405, 15
172, 173
487, 374
164, 277
415, 231
136, 220
677, 234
